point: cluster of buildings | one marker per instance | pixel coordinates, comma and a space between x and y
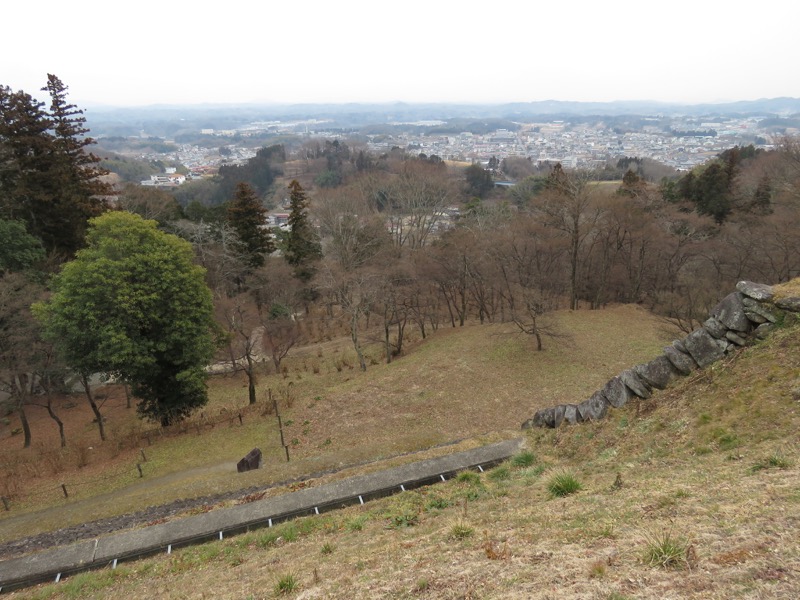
676, 143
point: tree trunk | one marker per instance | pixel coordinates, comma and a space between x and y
93, 404
21, 393
127, 394
356, 343
401, 328
251, 378
26, 428
387, 344
58, 421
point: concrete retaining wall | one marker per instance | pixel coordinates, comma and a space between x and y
53, 565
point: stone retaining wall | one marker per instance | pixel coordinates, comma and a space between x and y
750, 312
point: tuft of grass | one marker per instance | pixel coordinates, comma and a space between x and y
327, 548
356, 523
468, 477
563, 484
286, 584
598, 569
523, 459
437, 502
267, 539
775, 461
461, 531
421, 585
501, 473
667, 551
403, 519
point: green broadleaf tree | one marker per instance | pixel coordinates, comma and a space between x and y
133, 304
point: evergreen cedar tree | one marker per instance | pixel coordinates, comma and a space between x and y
48, 178
248, 218
302, 246
133, 304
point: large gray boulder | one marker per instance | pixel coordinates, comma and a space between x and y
735, 338
703, 348
756, 291
657, 373
792, 304
715, 328
571, 414
754, 306
594, 408
617, 393
682, 361
763, 330
635, 383
730, 312
542, 418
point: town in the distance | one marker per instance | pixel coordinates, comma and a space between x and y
680, 138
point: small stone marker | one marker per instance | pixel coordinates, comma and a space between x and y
250, 462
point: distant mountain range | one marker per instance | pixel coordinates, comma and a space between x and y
355, 115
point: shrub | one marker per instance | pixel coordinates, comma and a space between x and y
563, 484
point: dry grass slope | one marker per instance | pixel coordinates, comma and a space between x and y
694, 493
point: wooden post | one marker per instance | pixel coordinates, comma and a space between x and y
144, 456
240, 419
5, 503
64, 489
280, 428
139, 466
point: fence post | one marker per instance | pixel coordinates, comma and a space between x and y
144, 456
5, 503
280, 428
240, 419
139, 466
64, 489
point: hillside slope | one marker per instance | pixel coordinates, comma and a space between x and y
457, 384
694, 493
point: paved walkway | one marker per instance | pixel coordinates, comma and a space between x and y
53, 564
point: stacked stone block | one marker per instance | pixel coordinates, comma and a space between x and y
750, 311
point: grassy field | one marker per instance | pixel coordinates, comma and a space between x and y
694, 493
476, 383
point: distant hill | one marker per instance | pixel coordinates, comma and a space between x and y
130, 120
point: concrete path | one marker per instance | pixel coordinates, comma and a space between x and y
54, 564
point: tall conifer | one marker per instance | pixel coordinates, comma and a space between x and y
248, 218
302, 246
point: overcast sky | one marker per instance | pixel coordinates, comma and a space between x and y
233, 51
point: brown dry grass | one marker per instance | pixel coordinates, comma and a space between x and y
682, 462
474, 382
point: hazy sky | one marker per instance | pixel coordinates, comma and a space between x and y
176, 51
